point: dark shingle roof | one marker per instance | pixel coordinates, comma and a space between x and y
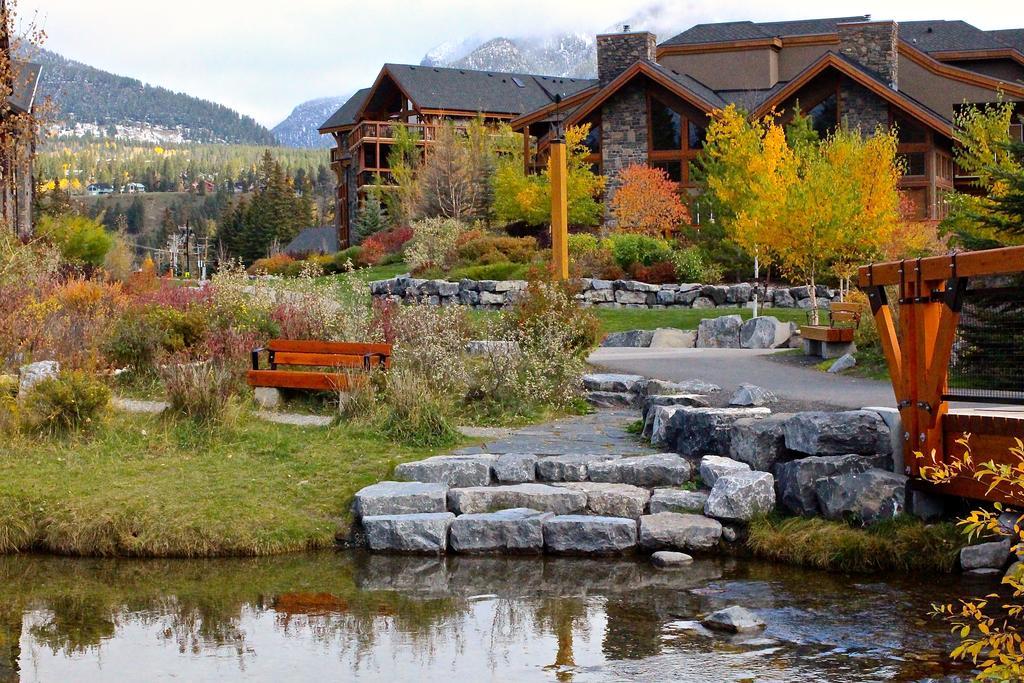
314, 240
481, 91
748, 30
939, 36
1012, 37
26, 79
346, 114
749, 100
692, 84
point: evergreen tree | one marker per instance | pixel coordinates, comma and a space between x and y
231, 229
135, 216
371, 218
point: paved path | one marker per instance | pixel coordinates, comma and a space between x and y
600, 432
798, 387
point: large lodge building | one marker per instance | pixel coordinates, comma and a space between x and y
651, 103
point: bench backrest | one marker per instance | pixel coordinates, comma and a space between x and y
844, 312
313, 353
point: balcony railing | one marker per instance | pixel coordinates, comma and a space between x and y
384, 131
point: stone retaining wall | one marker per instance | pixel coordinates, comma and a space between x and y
494, 294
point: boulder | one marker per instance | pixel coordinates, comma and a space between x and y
688, 297
869, 496
624, 296
714, 466
926, 506
852, 431
675, 531
702, 302
519, 530
34, 373
630, 338
741, 496
677, 500
739, 294
413, 533
660, 387
633, 384
569, 467
719, 333
668, 559
781, 298
663, 469
844, 362
765, 332
612, 500
400, 498
612, 399
647, 412
751, 395
542, 497
672, 338
267, 398
515, 468
717, 293
451, 470
759, 442
993, 555
701, 431
733, 619
795, 481
589, 535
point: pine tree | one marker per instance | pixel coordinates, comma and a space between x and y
135, 216
371, 218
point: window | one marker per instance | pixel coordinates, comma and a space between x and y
673, 169
915, 163
593, 141
825, 116
695, 135
666, 127
908, 131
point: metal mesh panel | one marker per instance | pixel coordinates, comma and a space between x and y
988, 355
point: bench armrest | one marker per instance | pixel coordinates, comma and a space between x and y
256, 357
368, 360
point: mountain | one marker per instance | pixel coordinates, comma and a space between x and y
90, 101
572, 54
299, 129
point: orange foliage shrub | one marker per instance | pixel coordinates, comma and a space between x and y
648, 202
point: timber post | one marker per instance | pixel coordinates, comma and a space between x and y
559, 211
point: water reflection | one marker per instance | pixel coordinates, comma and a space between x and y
372, 617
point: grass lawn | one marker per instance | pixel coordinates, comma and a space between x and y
621, 319
150, 486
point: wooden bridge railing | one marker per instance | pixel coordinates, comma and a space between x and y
918, 351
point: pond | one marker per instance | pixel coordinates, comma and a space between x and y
354, 616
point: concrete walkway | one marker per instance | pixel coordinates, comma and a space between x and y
798, 387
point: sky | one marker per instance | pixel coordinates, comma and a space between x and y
262, 58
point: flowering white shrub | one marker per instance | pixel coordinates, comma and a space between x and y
433, 242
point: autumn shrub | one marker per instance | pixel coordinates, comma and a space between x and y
630, 248
69, 402
119, 260
278, 264
82, 241
494, 271
433, 243
347, 258
199, 390
647, 202
377, 248
693, 265
590, 257
133, 342
406, 406
660, 273
488, 249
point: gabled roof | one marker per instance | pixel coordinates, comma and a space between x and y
747, 30
26, 81
346, 114
466, 90
1011, 37
322, 240
865, 78
947, 36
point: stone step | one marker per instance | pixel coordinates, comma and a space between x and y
677, 500
589, 535
400, 498
519, 530
663, 469
541, 497
451, 470
714, 466
612, 500
678, 531
415, 533
569, 467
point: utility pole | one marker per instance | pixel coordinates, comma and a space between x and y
186, 232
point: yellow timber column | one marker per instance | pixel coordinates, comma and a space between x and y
559, 211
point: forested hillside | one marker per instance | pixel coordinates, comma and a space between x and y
89, 98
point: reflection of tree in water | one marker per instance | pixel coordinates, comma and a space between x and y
632, 631
565, 617
10, 641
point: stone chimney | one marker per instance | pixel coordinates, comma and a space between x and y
616, 52
874, 45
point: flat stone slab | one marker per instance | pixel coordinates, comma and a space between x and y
698, 431
663, 469
734, 619
852, 431
416, 533
295, 419
668, 559
515, 468
992, 555
612, 500
741, 496
569, 467
612, 399
677, 500
661, 387
589, 535
452, 470
678, 531
633, 384
603, 431
714, 466
400, 498
130, 405
759, 442
519, 530
541, 497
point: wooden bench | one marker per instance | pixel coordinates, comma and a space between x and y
345, 360
836, 338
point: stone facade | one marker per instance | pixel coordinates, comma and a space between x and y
874, 45
623, 136
861, 108
616, 52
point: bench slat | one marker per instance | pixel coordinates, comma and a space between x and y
285, 379
827, 334
315, 346
326, 360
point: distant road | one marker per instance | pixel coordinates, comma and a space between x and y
798, 387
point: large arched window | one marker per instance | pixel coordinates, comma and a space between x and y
676, 138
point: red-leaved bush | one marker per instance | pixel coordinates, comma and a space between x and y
381, 244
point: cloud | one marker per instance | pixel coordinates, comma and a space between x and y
262, 58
